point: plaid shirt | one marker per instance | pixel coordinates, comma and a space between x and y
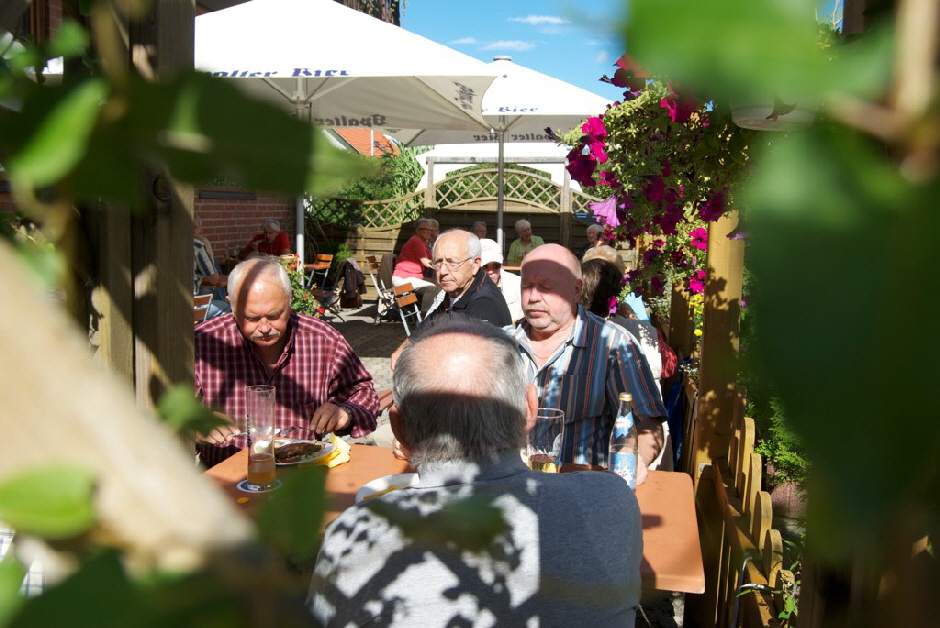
584, 377
316, 366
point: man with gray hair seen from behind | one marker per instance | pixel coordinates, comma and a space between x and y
321, 384
567, 552
581, 363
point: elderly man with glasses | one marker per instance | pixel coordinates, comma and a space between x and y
465, 288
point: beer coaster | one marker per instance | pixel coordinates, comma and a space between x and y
243, 486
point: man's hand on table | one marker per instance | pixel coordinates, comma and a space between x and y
329, 418
221, 434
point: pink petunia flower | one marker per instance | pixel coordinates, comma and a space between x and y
700, 238
606, 211
712, 209
697, 282
594, 127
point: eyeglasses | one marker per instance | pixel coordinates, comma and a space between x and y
451, 266
492, 267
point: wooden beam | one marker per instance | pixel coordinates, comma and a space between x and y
720, 327
161, 46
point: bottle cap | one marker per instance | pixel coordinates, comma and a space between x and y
626, 397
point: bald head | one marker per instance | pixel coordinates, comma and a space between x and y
460, 389
551, 289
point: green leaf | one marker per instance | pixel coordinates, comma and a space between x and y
11, 579
730, 48
98, 594
53, 502
291, 517
69, 40
180, 409
58, 141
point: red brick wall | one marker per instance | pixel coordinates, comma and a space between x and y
230, 223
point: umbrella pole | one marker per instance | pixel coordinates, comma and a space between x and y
500, 174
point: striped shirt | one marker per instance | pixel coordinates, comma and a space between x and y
584, 377
316, 366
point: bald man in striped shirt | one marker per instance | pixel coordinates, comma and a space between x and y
581, 363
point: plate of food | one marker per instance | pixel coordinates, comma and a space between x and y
289, 451
385, 485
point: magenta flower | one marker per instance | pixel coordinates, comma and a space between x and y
656, 190
700, 238
680, 108
608, 178
581, 167
659, 243
606, 211
598, 152
712, 209
657, 286
651, 255
667, 168
595, 128
697, 282
612, 306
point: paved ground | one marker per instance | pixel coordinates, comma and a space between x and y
372, 343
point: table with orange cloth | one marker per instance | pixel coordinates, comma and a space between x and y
672, 556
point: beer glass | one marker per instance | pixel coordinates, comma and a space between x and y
260, 416
543, 449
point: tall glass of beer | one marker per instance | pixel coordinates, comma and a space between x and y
260, 415
543, 450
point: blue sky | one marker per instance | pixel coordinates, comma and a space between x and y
570, 40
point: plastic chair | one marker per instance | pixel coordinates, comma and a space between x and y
201, 303
407, 304
320, 266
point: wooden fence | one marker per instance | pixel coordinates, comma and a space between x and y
743, 553
557, 212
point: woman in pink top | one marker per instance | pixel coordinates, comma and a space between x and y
414, 258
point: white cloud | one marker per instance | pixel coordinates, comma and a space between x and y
463, 41
601, 57
534, 20
509, 44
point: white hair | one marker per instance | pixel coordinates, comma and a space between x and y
522, 222
266, 267
271, 223
474, 248
471, 416
598, 229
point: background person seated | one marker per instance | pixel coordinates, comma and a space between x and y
523, 244
569, 553
206, 277
414, 260
509, 283
271, 241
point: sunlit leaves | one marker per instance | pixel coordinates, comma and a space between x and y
11, 578
58, 140
843, 252
53, 502
727, 47
184, 414
290, 520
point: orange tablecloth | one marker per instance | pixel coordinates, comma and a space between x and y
672, 557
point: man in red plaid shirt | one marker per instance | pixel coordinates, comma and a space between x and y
321, 383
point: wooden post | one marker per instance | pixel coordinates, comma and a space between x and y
718, 366
564, 214
680, 322
145, 262
430, 190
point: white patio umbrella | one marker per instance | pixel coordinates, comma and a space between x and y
342, 68
518, 106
